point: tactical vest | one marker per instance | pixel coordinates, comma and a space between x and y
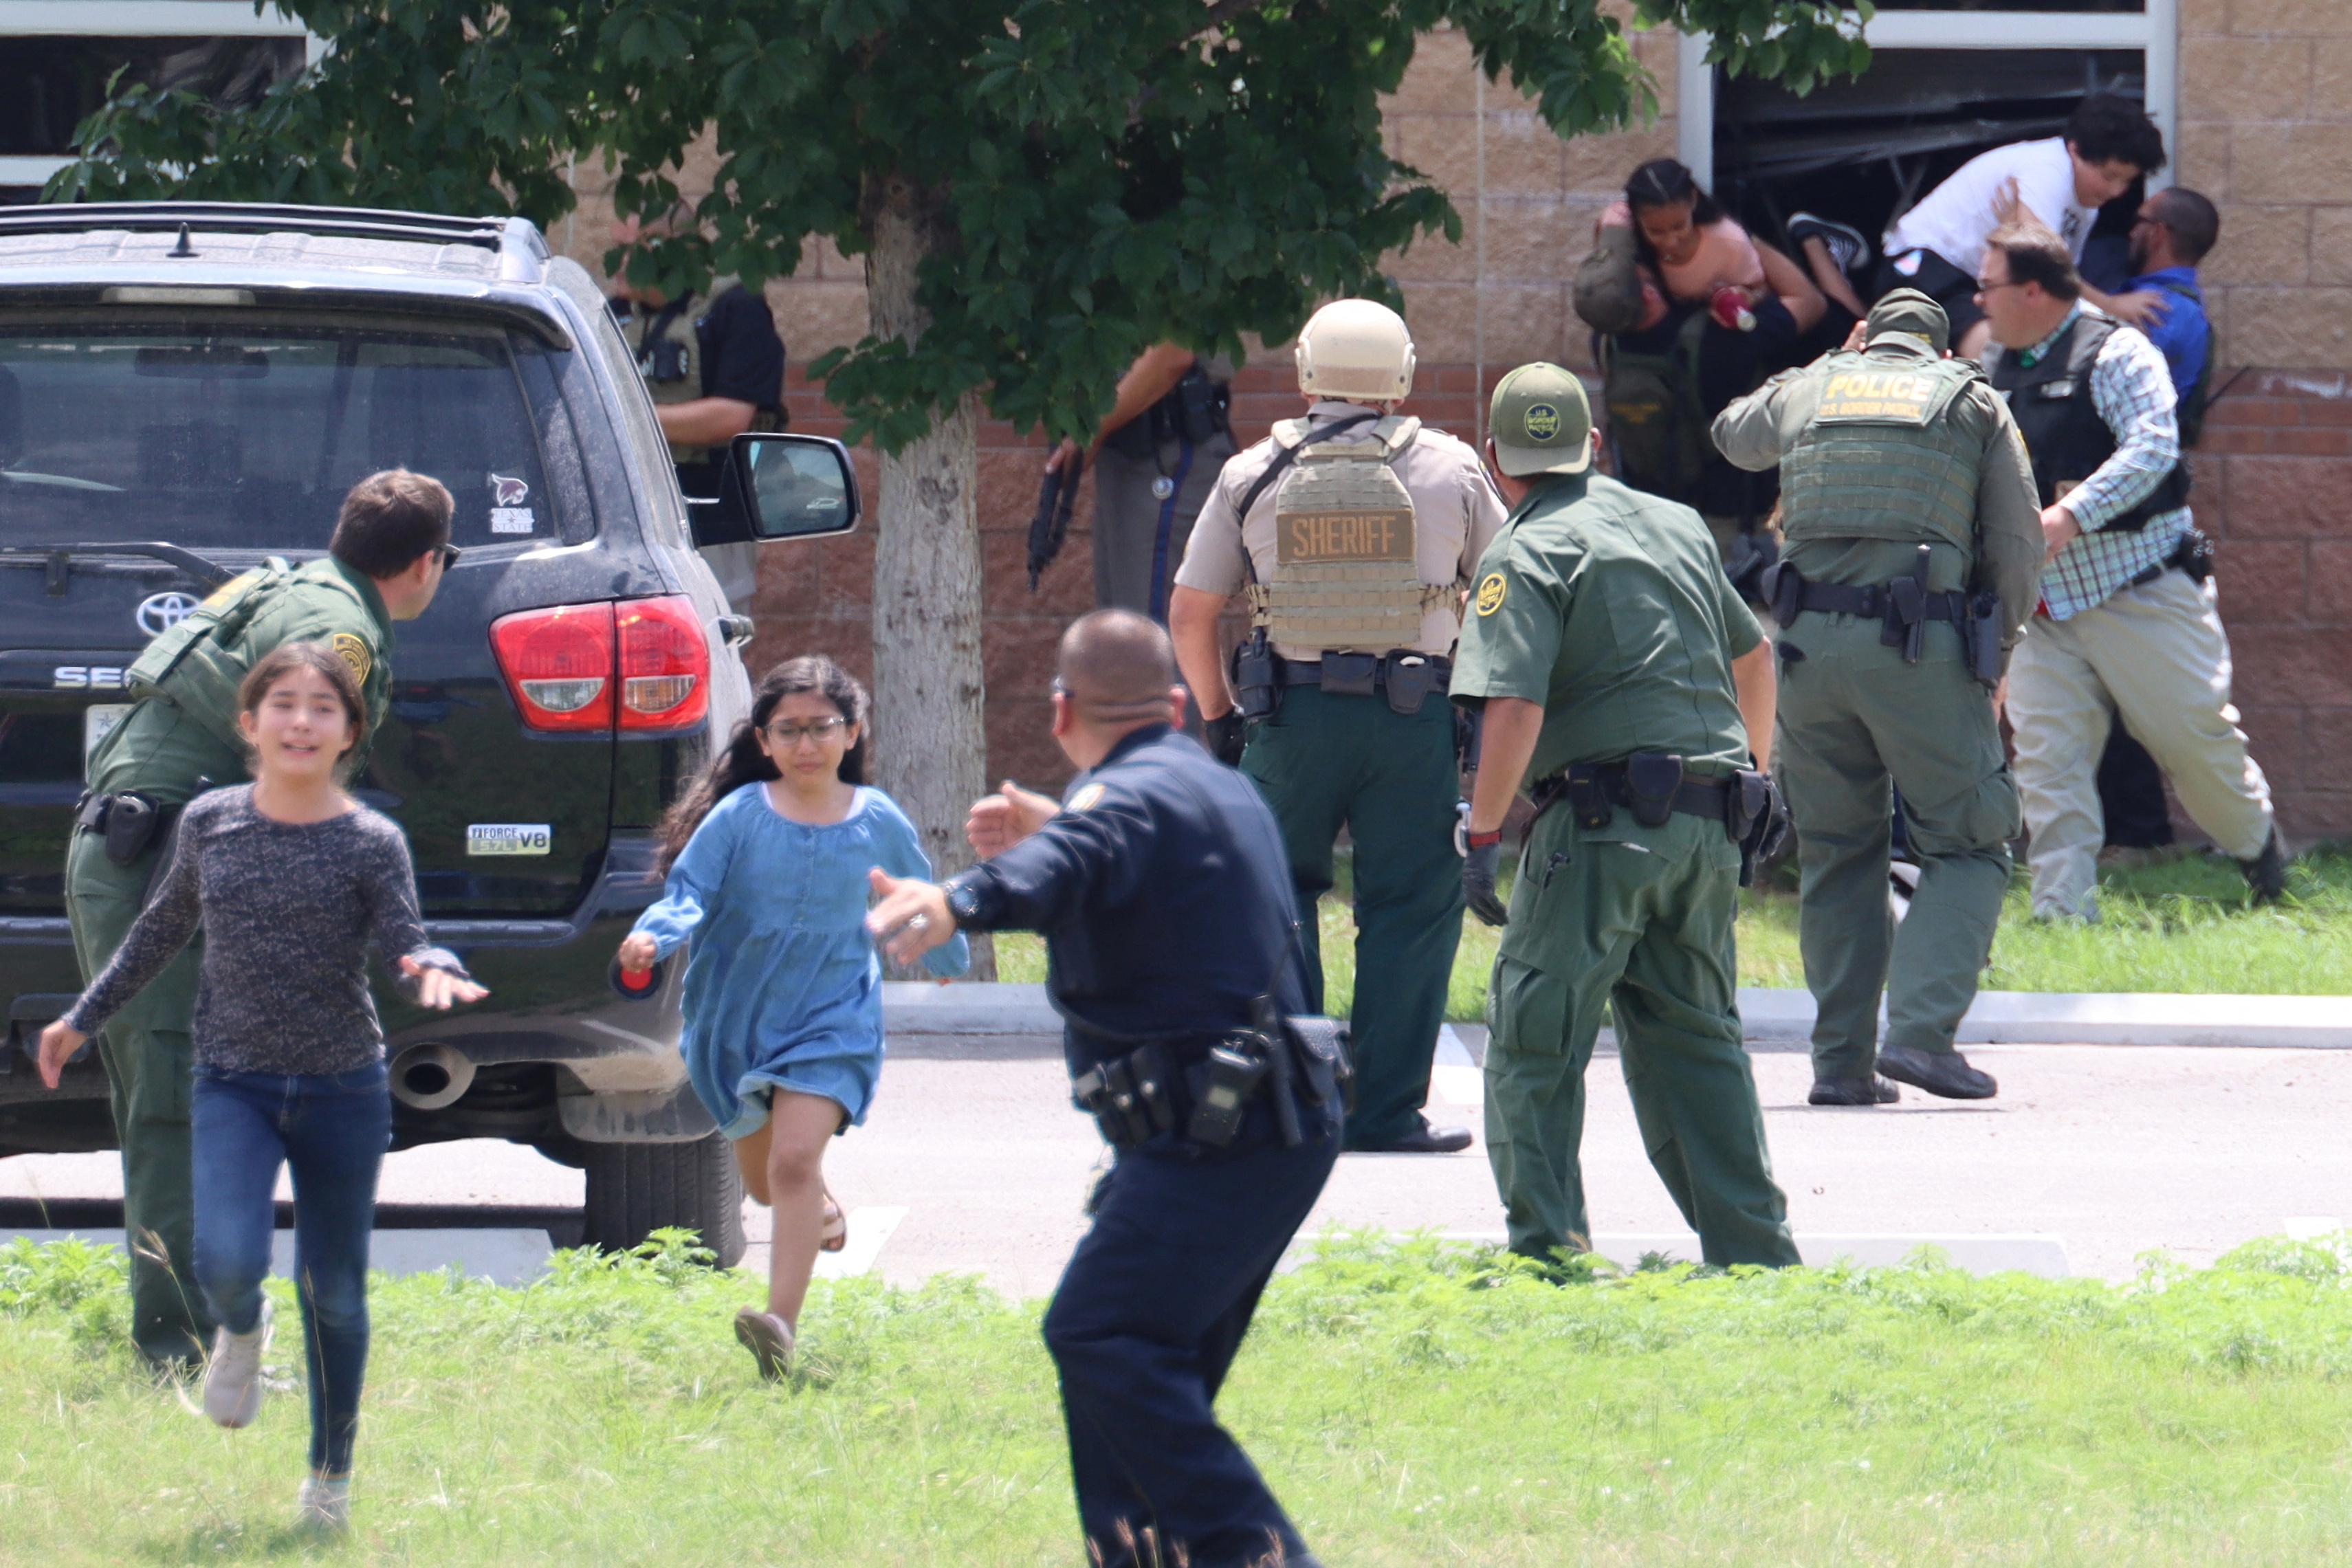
1345, 577
1657, 425
675, 325
1879, 459
2064, 434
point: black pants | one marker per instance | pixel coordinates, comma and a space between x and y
2131, 795
1144, 1327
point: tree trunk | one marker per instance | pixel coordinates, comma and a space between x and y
930, 745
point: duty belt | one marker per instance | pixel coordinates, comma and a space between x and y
1903, 607
1310, 672
1594, 786
2193, 555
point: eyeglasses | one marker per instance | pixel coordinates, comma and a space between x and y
819, 730
2147, 220
450, 554
1985, 289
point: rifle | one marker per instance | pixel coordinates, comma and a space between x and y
1056, 500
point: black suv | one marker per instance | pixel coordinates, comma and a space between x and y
187, 389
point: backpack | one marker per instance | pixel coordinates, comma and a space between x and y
1658, 428
2189, 410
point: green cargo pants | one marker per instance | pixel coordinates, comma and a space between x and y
1329, 762
1641, 919
1853, 714
150, 1060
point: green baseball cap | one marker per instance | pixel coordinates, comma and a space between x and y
1908, 310
1541, 423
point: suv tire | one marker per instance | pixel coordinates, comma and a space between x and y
635, 1189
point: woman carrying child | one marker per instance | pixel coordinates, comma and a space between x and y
290, 877
767, 857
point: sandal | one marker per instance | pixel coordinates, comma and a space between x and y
766, 1336
832, 1231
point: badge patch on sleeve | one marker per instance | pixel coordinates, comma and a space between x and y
1085, 799
1491, 589
354, 653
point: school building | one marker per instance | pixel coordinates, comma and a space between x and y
2254, 98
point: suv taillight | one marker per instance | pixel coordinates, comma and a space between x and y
572, 666
558, 664
664, 665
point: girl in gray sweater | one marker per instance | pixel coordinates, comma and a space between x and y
290, 877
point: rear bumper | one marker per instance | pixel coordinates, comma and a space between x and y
558, 1055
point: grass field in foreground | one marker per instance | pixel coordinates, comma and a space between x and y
2180, 927
1412, 1403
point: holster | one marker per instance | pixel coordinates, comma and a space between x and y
1906, 626
1128, 1096
1469, 726
130, 823
1651, 779
1410, 678
1350, 675
1784, 590
2195, 555
1257, 677
1982, 639
1757, 818
1587, 798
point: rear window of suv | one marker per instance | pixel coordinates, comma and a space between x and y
243, 433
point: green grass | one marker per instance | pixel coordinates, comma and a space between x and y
1411, 1403
2185, 926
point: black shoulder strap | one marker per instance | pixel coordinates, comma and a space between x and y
1284, 459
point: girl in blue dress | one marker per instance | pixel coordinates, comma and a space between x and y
768, 856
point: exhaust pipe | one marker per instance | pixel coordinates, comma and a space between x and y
429, 1077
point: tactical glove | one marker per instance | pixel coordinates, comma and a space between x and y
1226, 735
1478, 868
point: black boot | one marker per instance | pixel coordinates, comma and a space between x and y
1870, 1090
1945, 1072
1423, 1139
2266, 872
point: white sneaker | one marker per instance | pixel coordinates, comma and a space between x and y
323, 1504
233, 1386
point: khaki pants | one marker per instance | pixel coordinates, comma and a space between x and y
2155, 656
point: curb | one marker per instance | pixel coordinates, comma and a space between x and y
1785, 1018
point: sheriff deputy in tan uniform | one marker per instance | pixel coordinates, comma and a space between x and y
1363, 525
716, 368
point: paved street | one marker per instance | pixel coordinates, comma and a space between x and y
2114, 1150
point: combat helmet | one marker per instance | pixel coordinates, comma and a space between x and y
1357, 350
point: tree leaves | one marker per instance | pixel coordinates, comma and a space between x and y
1107, 176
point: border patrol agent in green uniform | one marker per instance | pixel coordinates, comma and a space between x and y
390, 549
1913, 556
1620, 676
1354, 530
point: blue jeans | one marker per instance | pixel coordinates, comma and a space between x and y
333, 1129
1145, 1325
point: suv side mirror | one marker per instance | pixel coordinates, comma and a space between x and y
792, 487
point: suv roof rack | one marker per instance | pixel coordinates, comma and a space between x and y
517, 234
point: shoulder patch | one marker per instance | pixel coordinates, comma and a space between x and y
1491, 589
354, 651
1085, 799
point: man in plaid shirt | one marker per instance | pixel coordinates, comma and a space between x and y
2127, 624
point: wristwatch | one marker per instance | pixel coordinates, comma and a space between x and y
968, 898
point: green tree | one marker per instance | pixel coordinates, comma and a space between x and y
1040, 189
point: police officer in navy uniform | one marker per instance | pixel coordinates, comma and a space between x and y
1163, 891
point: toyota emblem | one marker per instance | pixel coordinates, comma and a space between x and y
163, 612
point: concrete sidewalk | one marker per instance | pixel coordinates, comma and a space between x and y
1783, 1020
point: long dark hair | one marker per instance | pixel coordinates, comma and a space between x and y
741, 761
1666, 183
